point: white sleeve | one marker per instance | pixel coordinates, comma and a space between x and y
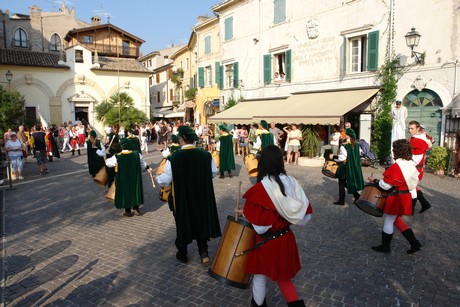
143, 163
342, 154
261, 229
384, 185
258, 143
112, 161
335, 136
165, 178
100, 152
214, 169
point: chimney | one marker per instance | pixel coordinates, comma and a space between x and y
95, 20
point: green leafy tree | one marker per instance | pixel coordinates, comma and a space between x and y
230, 103
310, 142
119, 110
12, 109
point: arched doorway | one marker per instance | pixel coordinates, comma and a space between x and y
425, 107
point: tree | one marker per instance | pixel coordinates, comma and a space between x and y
12, 109
119, 110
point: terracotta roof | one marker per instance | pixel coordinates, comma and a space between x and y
109, 26
121, 64
30, 58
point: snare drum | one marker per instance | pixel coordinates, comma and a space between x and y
251, 162
101, 177
330, 168
111, 193
372, 200
161, 167
164, 193
226, 266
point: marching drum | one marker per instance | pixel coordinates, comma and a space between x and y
372, 200
330, 168
215, 156
111, 193
164, 193
226, 267
101, 177
251, 162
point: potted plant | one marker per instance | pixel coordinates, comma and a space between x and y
310, 142
438, 160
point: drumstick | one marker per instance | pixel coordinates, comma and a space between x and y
113, 137
153, 181
238, 200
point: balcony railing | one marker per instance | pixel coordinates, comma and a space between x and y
112, 50
20, 44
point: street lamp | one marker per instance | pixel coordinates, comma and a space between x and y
412, 40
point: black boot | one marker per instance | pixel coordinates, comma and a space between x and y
50, 159
414, 202
79, 152
181, 254
254, 304
385, 247
356, 195
298, 303
203, 251
425, 204
414, 243
73, 152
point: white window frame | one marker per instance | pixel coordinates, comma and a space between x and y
208, 76
357, 55
276, 58
53, 45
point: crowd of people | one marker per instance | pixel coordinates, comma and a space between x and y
272, 205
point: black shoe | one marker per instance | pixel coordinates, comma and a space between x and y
230, 175
221, 176
339, 202
128, 214
425, 207
204, 258
182, 257
137, 212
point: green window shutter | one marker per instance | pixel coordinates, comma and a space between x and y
373, 51
235, 75
228, 28
207, 45
267, 68
280, 11
344, 56
217, 73
288, 65
201, 77
221, 77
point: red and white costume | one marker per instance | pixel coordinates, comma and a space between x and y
419, 144
269, 211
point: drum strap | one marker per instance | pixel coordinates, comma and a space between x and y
269, 235
397, 192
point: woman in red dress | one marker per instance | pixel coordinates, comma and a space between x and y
401, 179
274, 203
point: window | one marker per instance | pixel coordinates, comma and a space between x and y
228, 23
158, 78
229, 75
187, 67
78, 56
279, 11
361, 53
277, 67
87, 39
207, 44
171, 94
158, 97
20, 38
125, 48
208, 76
150, 63
150, 80
55, 42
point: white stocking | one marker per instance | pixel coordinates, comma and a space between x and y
388, 221
259, 288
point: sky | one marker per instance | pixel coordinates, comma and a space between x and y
159, 23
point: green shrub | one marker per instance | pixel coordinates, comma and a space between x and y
310, 142
438, 159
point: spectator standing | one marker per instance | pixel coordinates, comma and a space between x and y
14, 149
39, 142
294, 137
277, 133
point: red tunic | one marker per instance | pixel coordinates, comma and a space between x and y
278, 258
400, 204
419, 147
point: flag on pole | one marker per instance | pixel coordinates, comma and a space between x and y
43, 122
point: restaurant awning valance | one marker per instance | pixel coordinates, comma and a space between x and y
325, 107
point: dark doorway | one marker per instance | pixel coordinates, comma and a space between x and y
81, 113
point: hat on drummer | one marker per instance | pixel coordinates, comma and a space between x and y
126, 144
187, 133
174, 139
350, 132
223, 127
264, 124
93, 133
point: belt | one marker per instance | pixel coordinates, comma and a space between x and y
397, 192
269, 235
420, 166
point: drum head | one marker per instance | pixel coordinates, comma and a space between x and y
369, 208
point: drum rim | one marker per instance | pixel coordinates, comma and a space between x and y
228, 281
361, 204
239, 221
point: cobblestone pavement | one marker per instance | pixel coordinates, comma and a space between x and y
66, 245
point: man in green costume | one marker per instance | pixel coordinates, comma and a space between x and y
94, 153
129, 191
194, 205
264, 138
135, 140
349, 173
226, 156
